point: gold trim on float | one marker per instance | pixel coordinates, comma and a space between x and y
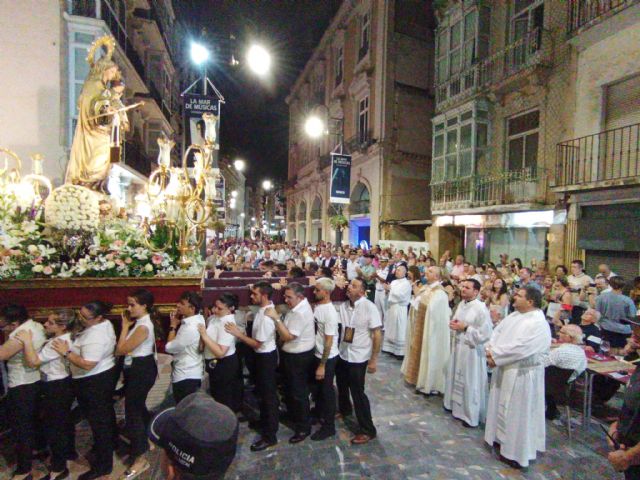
38, 283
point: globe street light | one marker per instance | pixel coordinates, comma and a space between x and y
239, 164
199, 53
314, 126
259, 60
266, 185
234, 193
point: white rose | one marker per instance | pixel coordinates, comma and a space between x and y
32, 249
148, 267
37, 268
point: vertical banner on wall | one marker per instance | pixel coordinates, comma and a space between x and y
340, 178
219, 200
279, 205
193, 131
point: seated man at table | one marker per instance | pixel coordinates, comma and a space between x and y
569, 356
590, 329
626, 431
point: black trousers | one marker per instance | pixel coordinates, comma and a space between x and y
58, 425
615, 339
298, 369
325, 394
184, 388
139, 378
350, 378
225, 381
95, 397
266, 364
22, 411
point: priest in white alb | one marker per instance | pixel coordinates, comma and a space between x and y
435, 347
465, 392
395, 327
516, 352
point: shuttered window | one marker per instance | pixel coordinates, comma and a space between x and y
623, 103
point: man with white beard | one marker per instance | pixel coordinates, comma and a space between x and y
397, 312
465, 392
516, 352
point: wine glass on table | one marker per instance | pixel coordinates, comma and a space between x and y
605, 347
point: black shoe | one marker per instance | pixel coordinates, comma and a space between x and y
299, 437
323, 434
258, 446
62, 475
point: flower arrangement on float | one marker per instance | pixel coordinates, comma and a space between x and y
70, 237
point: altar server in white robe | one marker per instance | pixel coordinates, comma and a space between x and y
435, 348
397, 313
465, 392
516, 352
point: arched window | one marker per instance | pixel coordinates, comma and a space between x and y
292, 213
360, 200
316, 209
302, 211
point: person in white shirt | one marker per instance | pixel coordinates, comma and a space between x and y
23, 386
465, 393
137, 344
352, 265
93, 369
263, 342
57, 393
221, 359
359, 351
380, 297
516, 352
297, 333
184, 345
326, 357
397, 313
579, 282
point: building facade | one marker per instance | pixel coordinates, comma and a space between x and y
234, 198
504, 83
46, 68
372, 74
598, 161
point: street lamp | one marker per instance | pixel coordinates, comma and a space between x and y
314, 126
266, 185
318, 123
239, 164
259, 60
234, 194
199, 53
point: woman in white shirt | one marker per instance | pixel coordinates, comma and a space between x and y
24, 386
94, 375
137, 345
57, 393
221, 359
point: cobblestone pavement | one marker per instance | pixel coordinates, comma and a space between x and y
416, 439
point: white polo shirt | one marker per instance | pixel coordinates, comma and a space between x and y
300, 322
187, 362
18, 372
95, 344
327, 321
147, 347
216, 331
264, 331
54, 366
363, 317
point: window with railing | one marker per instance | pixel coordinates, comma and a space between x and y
522, 141
153, 132
365, 35
459, 144
584, 13
462, 41
526, 16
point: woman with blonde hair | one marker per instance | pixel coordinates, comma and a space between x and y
57, 392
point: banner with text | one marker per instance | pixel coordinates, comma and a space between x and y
194, 127
340, 178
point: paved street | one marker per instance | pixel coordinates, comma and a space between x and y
416, 439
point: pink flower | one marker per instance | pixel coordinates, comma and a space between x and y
47, 270
15, 253
37, 260
119, 262
156, 259
109, 256
128, 260
118, 243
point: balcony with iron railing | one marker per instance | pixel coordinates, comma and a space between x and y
604, 159
359, 142
496, 72
584, 14
526, 186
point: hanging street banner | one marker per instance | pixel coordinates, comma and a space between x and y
219, 200
340, 178
194, 126
279, 205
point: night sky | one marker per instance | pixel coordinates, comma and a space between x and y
254, 122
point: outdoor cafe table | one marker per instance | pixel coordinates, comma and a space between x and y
607, 366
